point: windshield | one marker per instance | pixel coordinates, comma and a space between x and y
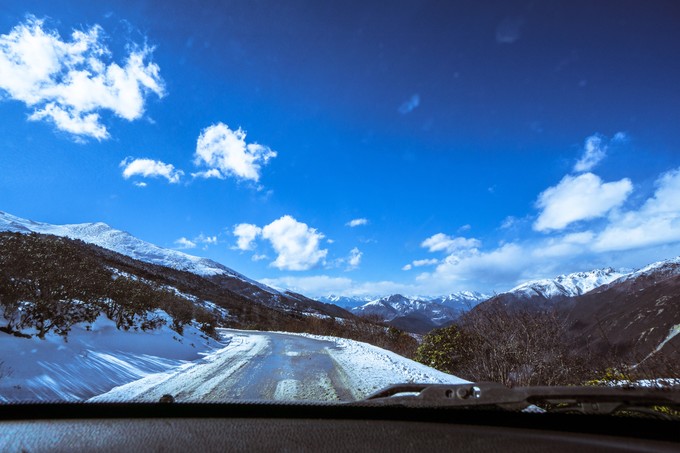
304, 200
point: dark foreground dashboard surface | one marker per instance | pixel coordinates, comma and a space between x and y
294, 428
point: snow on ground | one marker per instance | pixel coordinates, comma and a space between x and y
369, 368
194, 381
91, 362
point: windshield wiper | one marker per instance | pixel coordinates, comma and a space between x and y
576, 399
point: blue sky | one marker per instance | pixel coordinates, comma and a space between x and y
347, 147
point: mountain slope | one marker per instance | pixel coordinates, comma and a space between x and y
634, 315
124, 243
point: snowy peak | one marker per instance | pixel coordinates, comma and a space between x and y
345, 301
567, 285
664, 268
124, 243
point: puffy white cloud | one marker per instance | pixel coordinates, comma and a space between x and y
184, 243
150, 168
246, 233
442, 242
407, 267
656, 222
297, 244
226, 153
257, 257
356, 222
577, 198
354, 258
70, 82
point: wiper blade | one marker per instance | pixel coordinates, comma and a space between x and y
582, 399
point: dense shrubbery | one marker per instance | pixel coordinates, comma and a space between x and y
516, 347
49, 284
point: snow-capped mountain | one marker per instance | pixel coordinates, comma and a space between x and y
659, 269
567, 285
345, 301
462, 300
124, 243
104, 236
415, 314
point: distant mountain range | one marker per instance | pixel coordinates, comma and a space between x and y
411, 313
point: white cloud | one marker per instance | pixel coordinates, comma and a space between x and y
593, 152
420, 263
356, 222
70, 82
442, 242
297, 244
323, 285
203, 239
425, 262
184, 243
595, 149
246, 233
140, 184
410, 105
258, 257
226, 153
581, 197
656, 222
508, 222
150, 168
354, 258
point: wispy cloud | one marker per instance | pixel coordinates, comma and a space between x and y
595, 149
356, 222
509, 30
442, 242
149, 168
184, 243
225, 152
70, 82
354, 259
410, 105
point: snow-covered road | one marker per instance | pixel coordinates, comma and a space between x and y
280, 366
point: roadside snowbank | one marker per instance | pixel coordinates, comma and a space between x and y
368, 368
91, 362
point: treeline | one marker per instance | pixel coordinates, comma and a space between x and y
49, 283
521, 347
